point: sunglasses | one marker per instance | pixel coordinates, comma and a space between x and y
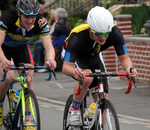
100, 34
28, 12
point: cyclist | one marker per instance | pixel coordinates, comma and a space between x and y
17, 27
83, 45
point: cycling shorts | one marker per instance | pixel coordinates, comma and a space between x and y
93, 63
21, 54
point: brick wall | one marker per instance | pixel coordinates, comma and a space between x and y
124, 23
138, 49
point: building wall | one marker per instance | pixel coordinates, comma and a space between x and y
138, 49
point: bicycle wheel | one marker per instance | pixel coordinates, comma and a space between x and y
7, 120
109, 117
31, 106
65, 116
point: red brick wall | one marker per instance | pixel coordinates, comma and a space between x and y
110, 59
124, 23
139, 51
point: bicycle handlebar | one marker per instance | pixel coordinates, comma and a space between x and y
104, 74
26, 67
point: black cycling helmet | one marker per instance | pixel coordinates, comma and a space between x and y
28, 7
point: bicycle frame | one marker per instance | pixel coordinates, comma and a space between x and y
21, 100
23, 80
99, 76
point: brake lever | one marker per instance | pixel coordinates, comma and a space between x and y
133, 79
4, 76
54, 74
50, 75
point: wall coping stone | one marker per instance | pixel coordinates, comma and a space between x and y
137, 39
123, 16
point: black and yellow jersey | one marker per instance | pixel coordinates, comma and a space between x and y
79, 44
16, 35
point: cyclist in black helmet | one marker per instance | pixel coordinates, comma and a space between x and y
17, 27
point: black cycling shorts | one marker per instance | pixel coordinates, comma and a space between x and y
20, 54
93, 63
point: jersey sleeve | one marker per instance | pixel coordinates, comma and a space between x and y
119, 43
43, 24
72, 48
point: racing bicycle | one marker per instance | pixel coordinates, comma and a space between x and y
105, 116
14, 113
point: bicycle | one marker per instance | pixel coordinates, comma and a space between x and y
14, 114
105, 116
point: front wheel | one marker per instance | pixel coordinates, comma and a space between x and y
32, 112
109, 117
7, 119
66, 125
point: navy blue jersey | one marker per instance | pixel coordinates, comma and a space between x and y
15, 36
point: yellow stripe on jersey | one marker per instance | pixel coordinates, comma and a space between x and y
2, 30
45, 35
78, 29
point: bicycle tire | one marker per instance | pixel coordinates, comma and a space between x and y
66, 110
37, 126
65, 116
110, 120
7, 119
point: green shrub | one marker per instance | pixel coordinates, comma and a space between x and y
139, 16
77, 19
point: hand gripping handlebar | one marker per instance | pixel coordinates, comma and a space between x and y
23, 67
104, 74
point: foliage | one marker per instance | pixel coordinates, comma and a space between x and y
11, 4
109, 3
139, 16
77, 19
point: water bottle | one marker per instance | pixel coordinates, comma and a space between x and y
16, 96
12, 95
91, 110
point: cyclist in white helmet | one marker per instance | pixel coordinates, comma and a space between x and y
17, 27
83, 45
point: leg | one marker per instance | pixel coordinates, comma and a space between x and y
74, 118
85, 85
4, 86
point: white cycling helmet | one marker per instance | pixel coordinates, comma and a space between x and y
100, 19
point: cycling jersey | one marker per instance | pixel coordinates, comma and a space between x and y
80, 48
79, 43
18, 36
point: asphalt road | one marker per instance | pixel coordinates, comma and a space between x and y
133, 109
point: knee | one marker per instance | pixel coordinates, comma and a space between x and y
9, 78
88, 80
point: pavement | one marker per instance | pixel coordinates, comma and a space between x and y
133, 106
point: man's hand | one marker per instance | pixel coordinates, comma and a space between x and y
78, 74
7, 64
51, 64
133, 73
